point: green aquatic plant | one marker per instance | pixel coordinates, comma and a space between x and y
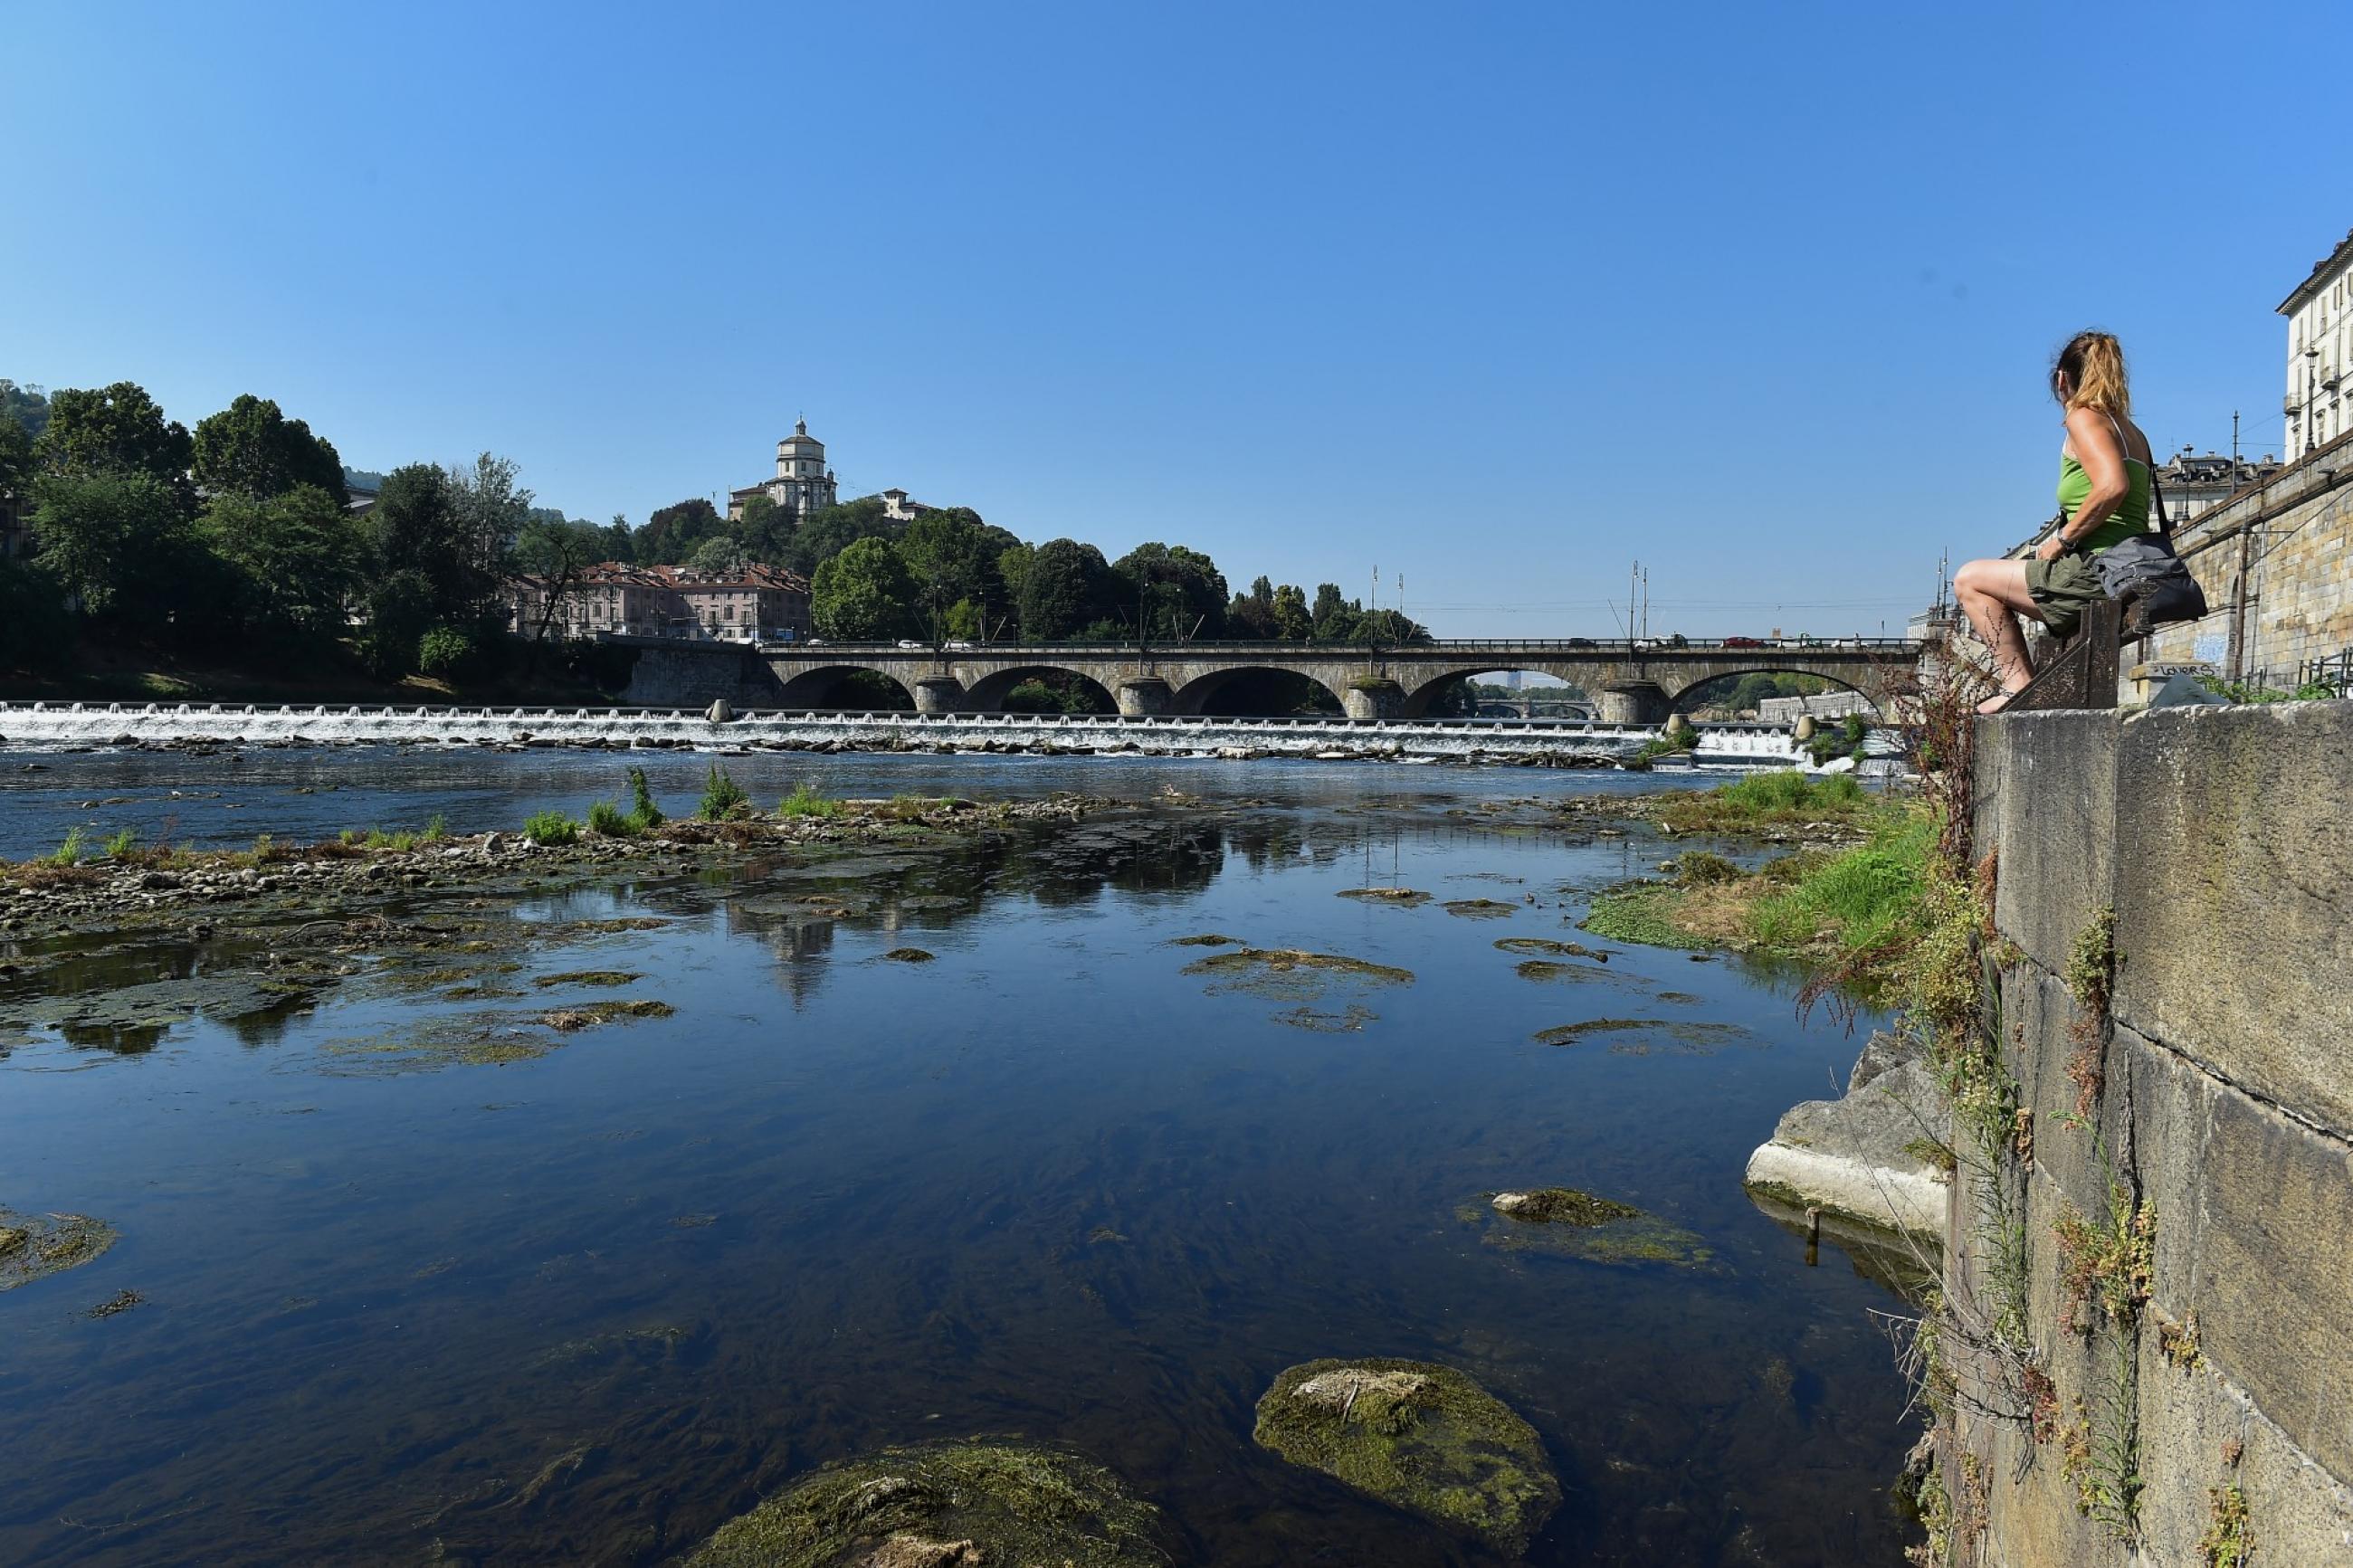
805, 801
436, 828
1417, 1435
551, 827
119, 847
71, 850
723, 797
642, 809
945, 1505
610, 821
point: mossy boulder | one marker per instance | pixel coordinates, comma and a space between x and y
1567, 1223
34, 1245
946, 1505
1423, 1437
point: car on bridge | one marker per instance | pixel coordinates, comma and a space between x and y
1744, 642
1580, 642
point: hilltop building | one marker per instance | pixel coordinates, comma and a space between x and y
803, 484
2319, 349
754, 604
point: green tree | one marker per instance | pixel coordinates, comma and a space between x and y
826, 534
113, 429
493, 509
399, 606
723, 555
765, 531
116, 541
618, 544
1182, 592
16, 459
251, 448
423, 527
298, 557
35, 630
955, 557
1068, 587
1292, 623
27, 406
557, 553
865, 594
1251, 614
673, 532
1334, 617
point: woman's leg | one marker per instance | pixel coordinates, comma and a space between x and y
1993, 594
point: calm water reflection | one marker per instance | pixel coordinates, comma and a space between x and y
585, 1307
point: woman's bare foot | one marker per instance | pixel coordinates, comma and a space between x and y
1997, 702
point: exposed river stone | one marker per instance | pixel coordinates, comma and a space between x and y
1865, 1156
946, 1505
1481, 908
1566, 1222
1423, 1437
1400, 898
1544, 946
35, 1245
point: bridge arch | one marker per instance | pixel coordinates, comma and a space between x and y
1686, 698
1418, 698
834, 686
1216, 691
987, 694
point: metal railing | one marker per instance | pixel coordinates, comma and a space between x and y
1436, 647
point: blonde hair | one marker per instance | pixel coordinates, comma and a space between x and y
2093, 366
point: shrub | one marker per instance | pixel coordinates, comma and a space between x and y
550, 827
723, 797
611, 821
436, 828
446, 651
805, 801
71, 852
119, 848
642, 809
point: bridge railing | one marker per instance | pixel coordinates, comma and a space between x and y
1447, 646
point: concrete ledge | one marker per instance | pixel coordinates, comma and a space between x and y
1869, 1195
2234, 896
2049, 797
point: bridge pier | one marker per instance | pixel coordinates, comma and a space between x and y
1635, 702
937, 694
1373, 697
1145, 696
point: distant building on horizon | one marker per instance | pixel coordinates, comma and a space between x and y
802, 485
2192, 484
751, 605
2317, 408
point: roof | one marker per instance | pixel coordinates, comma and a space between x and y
686, 580
2328, 266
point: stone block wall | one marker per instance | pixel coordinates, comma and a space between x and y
696, 675
2286, 548
2222, 838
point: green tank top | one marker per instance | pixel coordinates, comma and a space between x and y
2131, 516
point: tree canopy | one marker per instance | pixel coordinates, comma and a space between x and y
251, 448
864, 594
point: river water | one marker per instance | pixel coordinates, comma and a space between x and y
584, 1307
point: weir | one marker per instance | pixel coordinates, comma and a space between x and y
54, 724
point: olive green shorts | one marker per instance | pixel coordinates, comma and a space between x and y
2062, 588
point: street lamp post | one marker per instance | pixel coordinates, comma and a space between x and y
2311, 385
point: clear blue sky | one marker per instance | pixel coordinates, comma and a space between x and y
1499, 296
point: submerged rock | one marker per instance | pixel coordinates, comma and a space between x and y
1421, 1437
1401, 898
35, 1245
946, 1505
1481, 908
1869, 1157
1567, 1223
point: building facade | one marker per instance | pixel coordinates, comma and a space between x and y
2319, 348
802, 485
751, 605
2192, 484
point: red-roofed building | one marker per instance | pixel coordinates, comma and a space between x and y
751, 604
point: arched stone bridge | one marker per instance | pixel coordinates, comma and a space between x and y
1633, 684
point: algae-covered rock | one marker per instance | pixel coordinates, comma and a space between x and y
35, 1245
1567, 1223
1399, 898
1481, 908
1421, 1437
946, 1505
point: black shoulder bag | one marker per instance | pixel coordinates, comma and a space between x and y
2145, 575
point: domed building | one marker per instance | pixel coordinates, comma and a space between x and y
803, 483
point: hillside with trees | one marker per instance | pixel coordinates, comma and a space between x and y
235, 539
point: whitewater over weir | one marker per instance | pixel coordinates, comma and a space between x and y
36, 725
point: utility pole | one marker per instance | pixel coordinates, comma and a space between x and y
2234, 447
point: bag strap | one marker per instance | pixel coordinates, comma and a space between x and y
2156, 514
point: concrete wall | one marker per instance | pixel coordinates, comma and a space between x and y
2276, 562
693, 676
2217, 836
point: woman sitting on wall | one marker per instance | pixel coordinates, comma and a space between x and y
2103, 490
